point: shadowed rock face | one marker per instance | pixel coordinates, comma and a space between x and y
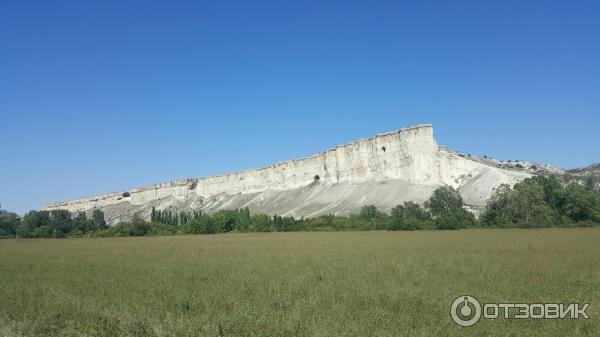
388, 169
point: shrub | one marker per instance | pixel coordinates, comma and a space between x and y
444, 202
368, 212
542, 201
161, 229
200, 224
460, 218
408, 224
8, 223
136, 227
44, 232
410, 209
260, 223
98, 219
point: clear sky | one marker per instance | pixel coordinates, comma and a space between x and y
98, 96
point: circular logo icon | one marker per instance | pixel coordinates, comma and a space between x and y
465, 310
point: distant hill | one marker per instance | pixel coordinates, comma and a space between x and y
593, 169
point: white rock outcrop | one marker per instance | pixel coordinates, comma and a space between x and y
385, 170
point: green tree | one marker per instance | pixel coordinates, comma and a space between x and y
444, 202
260, 223
31, 221
136, 227
200, 223
278, 223
580, 204
409, 209
290, 224
224, 221
98, 219
406, 224
459, 218
35, 219
242, 219
368, 212
8, 223
60, 222
591, 183
80, 222
528, 204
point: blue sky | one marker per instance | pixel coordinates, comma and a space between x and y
109, 95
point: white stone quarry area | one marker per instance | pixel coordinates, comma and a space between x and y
385, 170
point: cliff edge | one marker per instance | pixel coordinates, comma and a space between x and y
384, 170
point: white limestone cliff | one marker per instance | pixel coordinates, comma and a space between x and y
385, 170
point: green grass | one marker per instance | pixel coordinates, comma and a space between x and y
295, 284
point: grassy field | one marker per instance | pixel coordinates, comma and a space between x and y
296, 284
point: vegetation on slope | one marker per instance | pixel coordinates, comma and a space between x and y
541, 201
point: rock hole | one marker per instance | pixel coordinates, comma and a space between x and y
317, 178
126, 194
383, 148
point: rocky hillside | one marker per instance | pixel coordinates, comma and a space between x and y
592, 170
385, 170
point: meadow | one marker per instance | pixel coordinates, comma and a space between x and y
374, 283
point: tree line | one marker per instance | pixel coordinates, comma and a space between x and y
50, 224
541, 201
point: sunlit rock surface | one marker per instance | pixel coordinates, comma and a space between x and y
385, 170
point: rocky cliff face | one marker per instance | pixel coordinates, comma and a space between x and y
385, 170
